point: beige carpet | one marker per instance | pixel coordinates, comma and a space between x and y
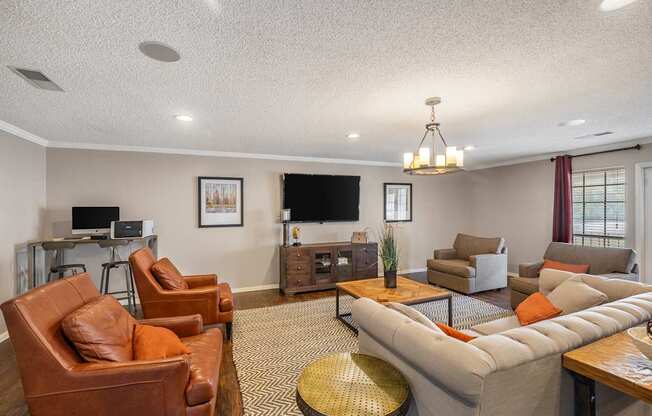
272, 345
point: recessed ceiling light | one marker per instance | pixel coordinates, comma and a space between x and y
183, 117
353, 137
159, 51
572, 123
469, 147
611, 5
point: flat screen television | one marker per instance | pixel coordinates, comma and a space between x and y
93, 220
321, 198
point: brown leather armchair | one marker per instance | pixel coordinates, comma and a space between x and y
212, 300
56, 380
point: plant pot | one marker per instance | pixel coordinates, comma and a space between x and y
390, 279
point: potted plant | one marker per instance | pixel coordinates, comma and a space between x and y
388, 253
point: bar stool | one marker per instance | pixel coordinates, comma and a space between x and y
59, 248
116, 263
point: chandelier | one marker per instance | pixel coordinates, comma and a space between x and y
420, 162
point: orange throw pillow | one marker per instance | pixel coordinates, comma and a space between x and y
452, 332
567, 267
535, 308
168, 275
155, 343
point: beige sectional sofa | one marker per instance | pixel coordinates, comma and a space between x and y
508, 369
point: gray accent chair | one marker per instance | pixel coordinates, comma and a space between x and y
474, 264
609, 262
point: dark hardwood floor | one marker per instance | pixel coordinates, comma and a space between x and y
12, 402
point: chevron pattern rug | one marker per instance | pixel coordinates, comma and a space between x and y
272, 345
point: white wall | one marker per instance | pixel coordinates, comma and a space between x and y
163, 187
22, 205
517, 201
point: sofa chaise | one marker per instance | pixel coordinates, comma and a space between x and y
507, 369
611, 262
474, 264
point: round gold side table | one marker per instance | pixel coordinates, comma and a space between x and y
350, 384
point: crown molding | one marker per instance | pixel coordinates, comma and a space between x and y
215, 153
23, 134
573, 152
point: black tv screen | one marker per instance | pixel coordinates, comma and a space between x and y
321, 198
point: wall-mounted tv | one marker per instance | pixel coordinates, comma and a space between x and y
321, 198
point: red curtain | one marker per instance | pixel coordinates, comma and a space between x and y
562, 221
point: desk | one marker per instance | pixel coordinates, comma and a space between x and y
32, 246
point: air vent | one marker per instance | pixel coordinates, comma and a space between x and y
592, 135
36, 78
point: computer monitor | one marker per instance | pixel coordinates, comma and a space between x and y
93, 220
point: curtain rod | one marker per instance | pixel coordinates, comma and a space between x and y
636, 147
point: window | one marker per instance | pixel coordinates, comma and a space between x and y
599, 208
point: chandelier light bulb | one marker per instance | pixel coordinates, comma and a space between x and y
408, 158
424, 155
451, 156
460, 158
440, 160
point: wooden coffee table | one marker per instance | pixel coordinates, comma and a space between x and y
348, 384
407, 292
614, 361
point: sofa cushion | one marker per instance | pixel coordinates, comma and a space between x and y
413, 314
498, 325
156, 343
457, 267
168, 275
536, 308
549, 279
452, 332
573, 295
205, 361
568, 267
602, 260
101, 330
467, 245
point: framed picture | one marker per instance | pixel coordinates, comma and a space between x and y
220, 202
397, 202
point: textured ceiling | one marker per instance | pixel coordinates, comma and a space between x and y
294, 77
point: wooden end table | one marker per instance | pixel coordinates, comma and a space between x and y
407, 292
352, 384
614, 361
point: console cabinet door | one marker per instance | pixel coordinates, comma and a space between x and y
365, 261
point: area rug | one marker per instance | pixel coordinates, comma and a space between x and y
272, 345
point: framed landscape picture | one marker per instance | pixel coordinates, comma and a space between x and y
397, 202
220, 202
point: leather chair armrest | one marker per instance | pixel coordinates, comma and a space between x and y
200, 280
445, 254
183, 326
530, 269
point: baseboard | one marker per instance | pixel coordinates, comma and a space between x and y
4, 336
411, 271
254, 288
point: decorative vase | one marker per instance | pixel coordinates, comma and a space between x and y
390, 279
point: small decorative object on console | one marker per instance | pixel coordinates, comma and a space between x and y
388, 252
359, 237
285, 219
296, 234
